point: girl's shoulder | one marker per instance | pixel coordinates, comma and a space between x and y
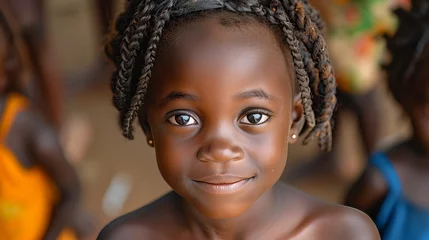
338, 222
322, 220
153, 221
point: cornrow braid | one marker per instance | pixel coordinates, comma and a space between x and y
299, 25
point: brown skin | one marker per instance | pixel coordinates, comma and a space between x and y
410, 158
213, 80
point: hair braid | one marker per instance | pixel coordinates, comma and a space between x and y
317, 19
301, 73
311, 69
138, 98
113, 49
315, 16
133, 34
312, 39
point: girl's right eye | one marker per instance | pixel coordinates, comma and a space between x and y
182, 120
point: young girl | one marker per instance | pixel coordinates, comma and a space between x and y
32, 165
393, 189
220, 89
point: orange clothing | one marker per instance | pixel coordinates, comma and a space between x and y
27, 196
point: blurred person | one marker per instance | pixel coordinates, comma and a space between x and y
394, 188
220, 89
27, 20
39, 189
354, 34
46, 84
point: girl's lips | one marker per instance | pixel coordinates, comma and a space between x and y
222, 186
221, 179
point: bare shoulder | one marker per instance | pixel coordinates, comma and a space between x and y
322, 220
339, 222
148, 222
129, 226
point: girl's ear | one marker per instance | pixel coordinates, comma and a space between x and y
144, 124
297, 118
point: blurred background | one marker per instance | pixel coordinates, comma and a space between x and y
119, 175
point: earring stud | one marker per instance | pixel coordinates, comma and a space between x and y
294, 136
150, 142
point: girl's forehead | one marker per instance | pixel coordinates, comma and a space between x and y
207, 37
207, 50
249, 31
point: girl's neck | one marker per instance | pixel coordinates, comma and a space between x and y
257, 218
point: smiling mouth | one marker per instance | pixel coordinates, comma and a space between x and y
222, 187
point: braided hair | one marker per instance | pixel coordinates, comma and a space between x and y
407, 45
140, 27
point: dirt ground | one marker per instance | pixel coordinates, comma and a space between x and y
120, 175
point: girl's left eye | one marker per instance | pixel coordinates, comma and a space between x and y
255, 119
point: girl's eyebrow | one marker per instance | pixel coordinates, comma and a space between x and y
174, 95
255, 93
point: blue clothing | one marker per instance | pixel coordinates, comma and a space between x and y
398, 218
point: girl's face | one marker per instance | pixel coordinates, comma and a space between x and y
219, 110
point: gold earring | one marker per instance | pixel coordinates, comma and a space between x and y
150, 142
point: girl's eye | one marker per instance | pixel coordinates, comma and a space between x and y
255, 119
182, 120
